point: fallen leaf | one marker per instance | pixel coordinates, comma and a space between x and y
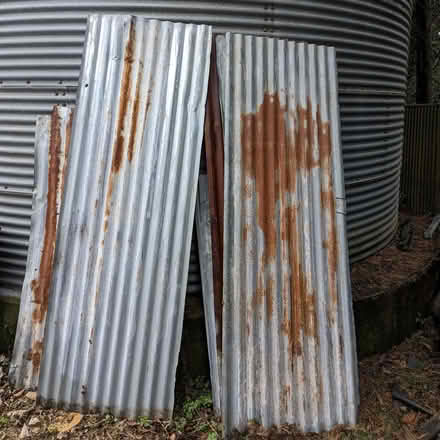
67, 426
410, 418
17, 413
24, 432
19, 393
32, 395
34, 421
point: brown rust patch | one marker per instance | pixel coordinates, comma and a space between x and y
214, 149
264, 294
40, 286
273, 156
245, 232
328, 205
118, 150
37, 351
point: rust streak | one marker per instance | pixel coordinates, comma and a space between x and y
328, 205
118, 148
40, 286
273, 157
37, 351
135, 113
214, 150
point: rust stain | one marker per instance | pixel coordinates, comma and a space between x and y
265, 294
118, 150
40, 286
285, 398
37, 350
214, 149
328, 205
273, 156
245, 232
135, 113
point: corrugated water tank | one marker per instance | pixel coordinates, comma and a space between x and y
40, 57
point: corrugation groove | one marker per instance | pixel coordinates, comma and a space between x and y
288, 337
123, 248
41, 45
421, 164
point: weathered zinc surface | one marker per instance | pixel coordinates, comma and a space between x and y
203, 225
121, 264
51, 154
288, 336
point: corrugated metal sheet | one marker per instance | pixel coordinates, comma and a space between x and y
421, 159
215, 174
289, 351
213, 326
115, 318
51, 152
40, 56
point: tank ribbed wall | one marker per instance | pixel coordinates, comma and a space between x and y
40, 57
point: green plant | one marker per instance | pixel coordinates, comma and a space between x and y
144, 421
3, 420
180, 423
212, 435
190, 407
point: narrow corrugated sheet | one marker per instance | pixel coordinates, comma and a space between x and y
203, 223
215, 173
421, 159
288, 335
51, 152
115, 318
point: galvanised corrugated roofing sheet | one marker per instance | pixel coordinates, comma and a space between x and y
121, 264
289, 351
51, 153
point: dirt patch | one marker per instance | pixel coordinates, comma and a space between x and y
391, 268
412, 367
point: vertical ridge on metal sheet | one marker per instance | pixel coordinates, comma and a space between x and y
288, 334
122, 258
203, 224
51, 152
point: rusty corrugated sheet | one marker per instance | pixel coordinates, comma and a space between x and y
115, 318
204, 228
51, 152
288, 335
420, 178
215, 175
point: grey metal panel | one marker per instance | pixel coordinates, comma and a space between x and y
115, 318
203, 223
40, 56
51, 150
289, 352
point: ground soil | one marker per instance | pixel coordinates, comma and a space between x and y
412, 366
391, 268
